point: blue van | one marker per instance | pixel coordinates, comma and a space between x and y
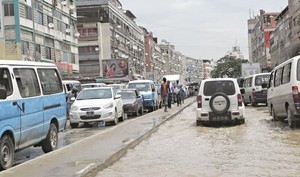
148, 91
32, 107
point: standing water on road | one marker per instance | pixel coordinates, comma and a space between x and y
260, 147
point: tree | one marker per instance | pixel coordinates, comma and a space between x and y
228, 66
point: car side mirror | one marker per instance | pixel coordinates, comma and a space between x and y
138, 96
242, 91
264, 85
3, 93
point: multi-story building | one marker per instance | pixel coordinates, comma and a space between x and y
260, 41
251, 24
294, 22
108, 32
208, 66
40, 31
280, 39
172, 58
236, 52
194, 68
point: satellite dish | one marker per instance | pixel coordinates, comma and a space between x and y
77, 34
51, 25
64, 3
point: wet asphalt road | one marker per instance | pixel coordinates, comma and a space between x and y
260, 147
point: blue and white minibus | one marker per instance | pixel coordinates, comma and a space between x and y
32, 107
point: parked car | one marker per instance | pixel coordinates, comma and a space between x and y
92, 85
220, 100
254, 92
283, 91
117, 86
147, 89
96, 105
32, 108
132, 101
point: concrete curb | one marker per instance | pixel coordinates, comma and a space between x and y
96, 168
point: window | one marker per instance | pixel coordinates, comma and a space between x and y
212, 87
49, 19
25, 47
48, 52
50, 81
286, 74
28, 13
9, 9
27, 82
5, 81
271, 80
38, 48
278, 75
40, 18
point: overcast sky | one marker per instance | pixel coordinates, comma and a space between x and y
205, 29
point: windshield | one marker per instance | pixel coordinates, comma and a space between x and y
127, 95
212, 87
145, 87
94, 94
259, 80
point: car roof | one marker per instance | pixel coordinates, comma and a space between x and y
128, 89
93, 84
141, 81
220, 79
70, 81
98, 88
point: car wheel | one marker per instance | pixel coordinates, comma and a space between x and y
219, 103
7, 152
115, 121
198, 123
275, 118
74, 125
136, 113
50, 143
290, 117
123, 116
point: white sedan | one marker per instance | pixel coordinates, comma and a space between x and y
96, 105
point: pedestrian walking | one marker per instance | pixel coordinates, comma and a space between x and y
170, 95
177, 92
165, 90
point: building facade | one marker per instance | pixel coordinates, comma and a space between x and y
108, 32
236, 52
194, 70
42, 31
260, 41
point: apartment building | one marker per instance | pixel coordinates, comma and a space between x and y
42, 31
107, 31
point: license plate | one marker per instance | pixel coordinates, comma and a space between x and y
220, 118
90, 114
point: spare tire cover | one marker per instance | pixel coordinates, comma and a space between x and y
219, 103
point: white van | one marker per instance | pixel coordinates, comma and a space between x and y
283, 91
254, 92
32, 107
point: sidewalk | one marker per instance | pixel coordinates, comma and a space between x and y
89, 156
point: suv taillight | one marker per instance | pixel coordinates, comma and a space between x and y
199, 101
295, 94
239, 97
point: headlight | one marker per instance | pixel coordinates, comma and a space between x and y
74, 108
110, 105
147, 96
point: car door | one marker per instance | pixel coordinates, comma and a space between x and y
119, 102
139, 98
31, 106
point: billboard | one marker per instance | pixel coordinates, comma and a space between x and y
250, 68
115, 69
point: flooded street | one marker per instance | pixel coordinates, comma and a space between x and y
260, 147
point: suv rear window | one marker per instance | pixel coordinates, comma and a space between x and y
212, 87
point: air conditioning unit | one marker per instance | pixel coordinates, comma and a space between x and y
51, 25
77, 34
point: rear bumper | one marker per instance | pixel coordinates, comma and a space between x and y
226, 117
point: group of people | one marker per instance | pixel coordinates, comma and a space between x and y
171, 93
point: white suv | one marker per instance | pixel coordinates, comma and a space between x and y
220, 100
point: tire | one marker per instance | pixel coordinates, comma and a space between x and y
290, 117
211, 103
51, 141
136, 113
74, 125
198, 123
115, 121
275, 118
122, 116
7, 152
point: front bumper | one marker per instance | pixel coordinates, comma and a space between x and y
148, 102
80, 116
129, 108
